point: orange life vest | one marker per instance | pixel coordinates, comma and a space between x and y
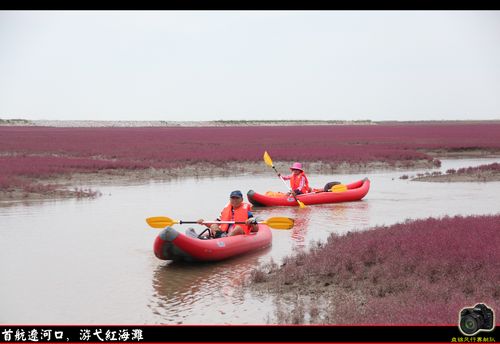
295, 182
240, 215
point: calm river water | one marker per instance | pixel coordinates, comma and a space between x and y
91, 261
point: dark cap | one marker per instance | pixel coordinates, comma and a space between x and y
236, 193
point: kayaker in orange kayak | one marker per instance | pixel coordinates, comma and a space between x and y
298, 179
238, 211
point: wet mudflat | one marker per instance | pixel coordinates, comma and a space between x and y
91, 261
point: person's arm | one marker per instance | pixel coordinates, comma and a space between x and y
200, 221
285, 177
251, 220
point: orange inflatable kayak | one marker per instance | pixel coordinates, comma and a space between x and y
354, 192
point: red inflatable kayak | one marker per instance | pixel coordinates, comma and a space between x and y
355, 192
173, 245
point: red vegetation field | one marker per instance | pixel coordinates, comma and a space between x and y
495, 167
418, 272
43, 152
487, 172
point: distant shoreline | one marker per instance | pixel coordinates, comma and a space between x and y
219, 123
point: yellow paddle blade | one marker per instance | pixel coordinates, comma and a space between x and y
279, 222
339, 188
160, 221
267, 159
301, 205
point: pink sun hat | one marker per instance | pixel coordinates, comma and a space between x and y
297, 166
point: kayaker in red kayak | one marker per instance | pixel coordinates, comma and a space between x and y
298, 179
238, 211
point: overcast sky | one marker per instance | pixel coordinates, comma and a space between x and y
200, 65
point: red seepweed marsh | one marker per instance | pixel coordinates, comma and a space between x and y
30, 156
415, 272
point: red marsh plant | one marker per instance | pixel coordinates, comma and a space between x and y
47, 151
416, 272
14, 168
477, 171
494, 167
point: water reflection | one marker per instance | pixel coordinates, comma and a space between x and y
181, 288
318, 221
299, 231
345, 217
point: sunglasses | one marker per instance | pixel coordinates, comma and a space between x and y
235, 197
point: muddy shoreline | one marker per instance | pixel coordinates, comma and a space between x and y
482, 173
483, 177
86, 185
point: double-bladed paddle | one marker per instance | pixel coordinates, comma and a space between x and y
269, 162
273, 222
